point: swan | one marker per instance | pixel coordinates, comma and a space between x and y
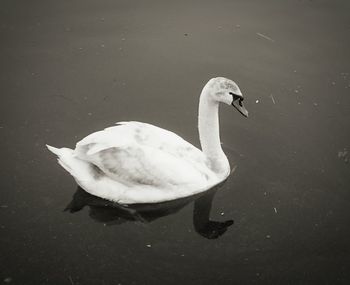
134, 162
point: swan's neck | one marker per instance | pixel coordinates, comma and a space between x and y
209, 134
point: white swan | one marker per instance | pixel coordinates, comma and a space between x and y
136, 162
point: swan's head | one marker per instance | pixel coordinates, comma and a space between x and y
226, 91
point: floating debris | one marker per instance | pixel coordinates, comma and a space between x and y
257, 101
273, 99
265, 37
149, 245
296, 91
275, 210
315, 104
344, 155
222, 213
268, 236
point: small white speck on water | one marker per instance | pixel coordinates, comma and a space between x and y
273, 99
268, 236
102, 45
149, 245
90, 114
123, 39
8, 280
299, 103
333, 83
315, 104
296, 91
274, 208
257, 101
294, 71
222, 213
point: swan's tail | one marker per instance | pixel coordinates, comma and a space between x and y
54, 150
64, 155
76, 167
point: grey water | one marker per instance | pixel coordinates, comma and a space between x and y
69, 68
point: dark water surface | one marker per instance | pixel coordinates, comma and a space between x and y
68, 68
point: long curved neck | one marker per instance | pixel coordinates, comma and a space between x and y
209, 134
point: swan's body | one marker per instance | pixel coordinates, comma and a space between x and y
135, 162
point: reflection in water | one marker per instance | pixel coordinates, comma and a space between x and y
111, 213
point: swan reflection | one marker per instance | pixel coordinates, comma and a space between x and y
111, 213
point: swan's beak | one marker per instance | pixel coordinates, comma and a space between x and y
238, 104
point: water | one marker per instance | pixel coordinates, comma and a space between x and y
71, 68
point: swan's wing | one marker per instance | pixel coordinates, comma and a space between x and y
138, 153
142, 134
133, 165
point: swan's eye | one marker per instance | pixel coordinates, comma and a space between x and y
236, 97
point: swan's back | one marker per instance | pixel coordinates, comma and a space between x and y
138, 154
